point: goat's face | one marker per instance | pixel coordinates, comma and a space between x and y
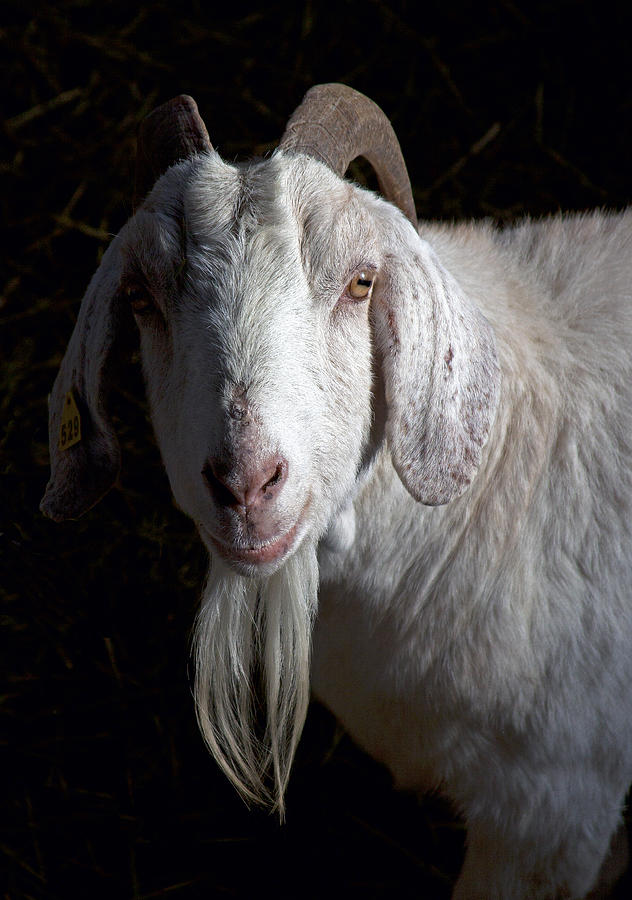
252, 301
264, 295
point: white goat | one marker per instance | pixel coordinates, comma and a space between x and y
314, 368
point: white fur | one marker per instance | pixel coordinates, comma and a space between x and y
482, 647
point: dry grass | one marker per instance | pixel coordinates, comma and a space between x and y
109, 791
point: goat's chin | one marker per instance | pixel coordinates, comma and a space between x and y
251, 645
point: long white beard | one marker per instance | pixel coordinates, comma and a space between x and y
251, 646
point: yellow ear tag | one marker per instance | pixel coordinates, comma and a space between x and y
70, 428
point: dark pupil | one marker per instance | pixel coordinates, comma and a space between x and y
364, 282
136, 296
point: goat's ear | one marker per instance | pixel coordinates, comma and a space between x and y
84, 450
440, 369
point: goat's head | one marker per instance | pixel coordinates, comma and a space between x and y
274, 300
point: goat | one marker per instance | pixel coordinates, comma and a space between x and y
409, 454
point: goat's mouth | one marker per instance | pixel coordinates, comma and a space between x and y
259, 556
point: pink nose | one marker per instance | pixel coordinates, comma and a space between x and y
244, 486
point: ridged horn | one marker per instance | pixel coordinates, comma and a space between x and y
172, 132
335, 124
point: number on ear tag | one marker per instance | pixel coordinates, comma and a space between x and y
70, 428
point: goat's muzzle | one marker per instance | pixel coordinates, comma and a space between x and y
251, 531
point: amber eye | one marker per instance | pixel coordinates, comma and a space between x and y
361, 284
138, 298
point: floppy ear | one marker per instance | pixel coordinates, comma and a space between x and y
440, 369
84, 450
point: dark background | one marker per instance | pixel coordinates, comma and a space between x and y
502, 109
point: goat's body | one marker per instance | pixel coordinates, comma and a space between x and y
486, 648
317, 371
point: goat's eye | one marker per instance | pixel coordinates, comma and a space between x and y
361, 285
139, 298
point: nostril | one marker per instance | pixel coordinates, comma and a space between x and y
218, 487
279, 476
264, 480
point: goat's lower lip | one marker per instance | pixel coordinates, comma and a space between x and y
260, 555
257, 555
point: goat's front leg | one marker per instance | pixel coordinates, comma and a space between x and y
543, 862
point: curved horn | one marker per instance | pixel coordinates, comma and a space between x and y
335, 124
172, 132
